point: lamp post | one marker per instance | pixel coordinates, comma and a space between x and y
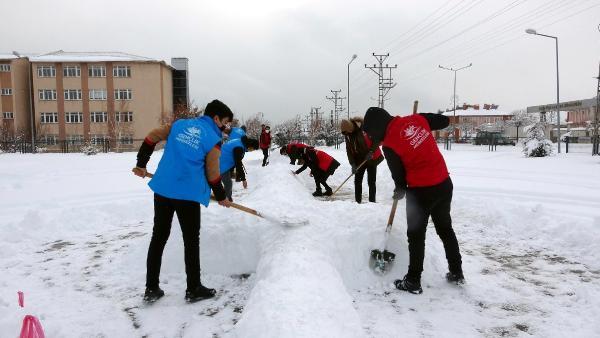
534, 32
348, 96
454, 96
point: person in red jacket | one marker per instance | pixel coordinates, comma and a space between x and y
265, 143
419, 172
293, 150
322, 165
358, 145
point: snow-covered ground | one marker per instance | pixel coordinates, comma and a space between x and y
74, 231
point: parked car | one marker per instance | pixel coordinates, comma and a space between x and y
489, 137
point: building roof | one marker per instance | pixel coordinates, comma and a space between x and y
62, 56
8, 56
478, 112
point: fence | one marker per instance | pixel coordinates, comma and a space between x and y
67, 146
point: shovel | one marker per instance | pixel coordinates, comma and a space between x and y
259, 214
382, 261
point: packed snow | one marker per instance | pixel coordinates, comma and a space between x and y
75, 230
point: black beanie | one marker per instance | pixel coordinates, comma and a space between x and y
375, 123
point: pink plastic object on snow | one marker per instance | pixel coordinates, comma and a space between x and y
31, 325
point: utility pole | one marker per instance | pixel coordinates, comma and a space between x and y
385, 83
337, 109
596, 134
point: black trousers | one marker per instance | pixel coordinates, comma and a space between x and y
227, 184
421, 203
188, 214
320, 179
265, 156
371, 180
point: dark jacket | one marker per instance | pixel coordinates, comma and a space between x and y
357, 147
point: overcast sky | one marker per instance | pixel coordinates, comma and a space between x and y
283, 57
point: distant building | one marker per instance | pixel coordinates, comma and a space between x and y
576, 118
15, 96
98, 97
468, 119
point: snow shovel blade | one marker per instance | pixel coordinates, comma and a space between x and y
381, 262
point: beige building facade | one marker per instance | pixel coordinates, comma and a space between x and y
15, 97
70, 99
99, 98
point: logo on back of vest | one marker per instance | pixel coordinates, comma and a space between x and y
415, 134
190, 137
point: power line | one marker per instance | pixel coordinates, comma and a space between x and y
385, 83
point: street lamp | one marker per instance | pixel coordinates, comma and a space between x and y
534, 32
454, 97
348, 96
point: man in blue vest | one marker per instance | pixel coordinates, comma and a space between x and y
186, 173
232, 153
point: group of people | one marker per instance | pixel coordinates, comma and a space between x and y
196, 161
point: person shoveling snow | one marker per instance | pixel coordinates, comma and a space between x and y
186, 173
420, 173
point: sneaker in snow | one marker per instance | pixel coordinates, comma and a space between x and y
151, 295
456, 278
199, 293
407, 285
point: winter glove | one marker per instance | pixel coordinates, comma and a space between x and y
399, 194
369, 155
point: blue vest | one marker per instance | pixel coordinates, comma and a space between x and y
236, 133
226, 161
181, 173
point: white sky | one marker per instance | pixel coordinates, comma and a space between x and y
283, 57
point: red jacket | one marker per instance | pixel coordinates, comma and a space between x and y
265, 140
411, 139
293, 147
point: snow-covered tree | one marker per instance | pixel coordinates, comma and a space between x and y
536, 144
520, 118
253, 125
290, 130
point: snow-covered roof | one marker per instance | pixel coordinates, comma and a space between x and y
61, 56
8, 56
478, 112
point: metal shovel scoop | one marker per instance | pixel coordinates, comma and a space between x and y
381, 261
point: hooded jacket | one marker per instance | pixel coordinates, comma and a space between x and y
358, 143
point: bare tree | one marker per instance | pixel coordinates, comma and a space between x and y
253, 125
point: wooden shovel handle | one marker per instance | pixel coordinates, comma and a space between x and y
392, 214
246, 209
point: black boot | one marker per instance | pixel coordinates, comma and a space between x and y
328, 192
457, 278
318, 193
199, 293
151, 295
410, 285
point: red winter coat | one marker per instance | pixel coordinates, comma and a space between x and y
265, 140
411, 139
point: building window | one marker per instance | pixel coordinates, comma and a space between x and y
72, 71
98, 117
49, 118
124, 116
98, 139
97, 94
47, 94
4, 67
122, 71
72, 94
97, 71
74, 117
8, 115
75, 139
50, 139
123, 94
126, 140
46, 71
6, 91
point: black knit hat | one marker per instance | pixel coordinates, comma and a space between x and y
218, 108
376, 122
